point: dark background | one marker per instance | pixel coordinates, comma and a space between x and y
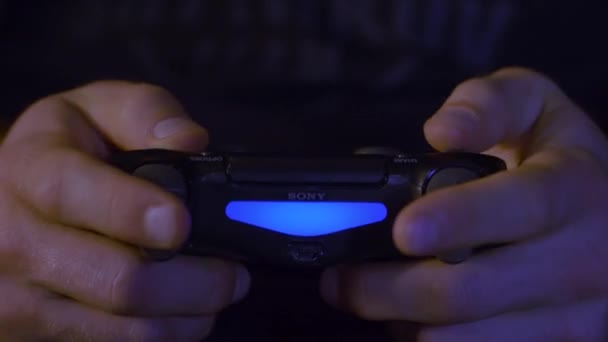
220, 64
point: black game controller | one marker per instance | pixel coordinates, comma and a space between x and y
300, 211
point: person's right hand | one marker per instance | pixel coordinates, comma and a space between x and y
70, 224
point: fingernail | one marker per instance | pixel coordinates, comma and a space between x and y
329, 286
171, 126
160, 224
243, 281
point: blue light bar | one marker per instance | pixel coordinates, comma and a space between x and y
306, 218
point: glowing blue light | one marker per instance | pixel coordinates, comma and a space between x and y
306, 218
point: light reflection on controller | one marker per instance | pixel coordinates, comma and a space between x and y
306, 219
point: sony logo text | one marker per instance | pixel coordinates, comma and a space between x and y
306, 196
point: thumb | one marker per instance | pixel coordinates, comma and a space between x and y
138, 116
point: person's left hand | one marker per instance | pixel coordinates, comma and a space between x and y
548, 211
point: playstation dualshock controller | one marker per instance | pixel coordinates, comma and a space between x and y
300, 211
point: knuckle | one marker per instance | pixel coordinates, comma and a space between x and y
44, 105
145, 98
24, 165
45, 112
147, 90
519, 72
40, 107
479, 95
482, 88
18, 167
530, 76
51, 191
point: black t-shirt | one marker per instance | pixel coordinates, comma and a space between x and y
320, 76
312, 74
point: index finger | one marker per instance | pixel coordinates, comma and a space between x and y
516, 109
124, 114
525, 115
52, 162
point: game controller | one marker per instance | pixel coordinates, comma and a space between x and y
300, 211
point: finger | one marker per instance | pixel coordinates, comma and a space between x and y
68, 186
70, 321
19, 305
538, 272
585, 321
30, 313
51, 175
508, 107
128, 115
503, 208
105, 274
